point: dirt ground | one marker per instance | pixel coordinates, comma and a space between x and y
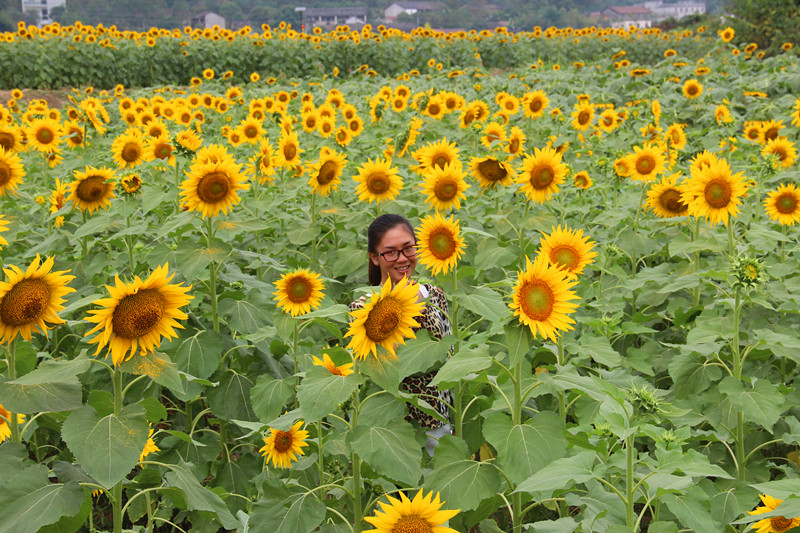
55, 98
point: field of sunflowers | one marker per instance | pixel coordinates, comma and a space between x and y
611, 215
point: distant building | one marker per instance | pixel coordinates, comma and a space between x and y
207, 19
330, 17
42, 8
627, 16
410, 8
677, 10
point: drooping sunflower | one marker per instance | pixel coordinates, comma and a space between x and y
327, 363
138, 315
568, 250
783, 148
542, 173
440, 244
299, 291
283, 447
92, 189
491, 172
378, 181
783, 204
386, 320
582, 116
715, 193
131, 183
646, 162
664, 198
409, 137
212, 187
325, 173
445, 186
11, 171
422, 514
189, 140
692, 89
542, 299
5, 429
31, 299
44, 134
534, 104
775, 524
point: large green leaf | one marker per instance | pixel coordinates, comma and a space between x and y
107, 448
692, 512
200, 354
321, 392
486, 303
780, 489
518, 339
691, 462
761, 404
383, 370
52, 387
158, 367
242, 316
560, 474
391, 451
526, 448
197, 496
422, 353
598, 348
298, 513
465, 362
230, 400
269, 395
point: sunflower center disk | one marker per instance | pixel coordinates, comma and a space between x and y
283, 441
130, 152
299, 291
91, 189
718, 193
565, 256
786, 203
440, 161
583, 118
378, 183
442, 245
671, 201
290, 151
535, 106
645, 165
6, 141
5, 414
213, 187
492, 170
25, 302
542, 177
383, 319
138, 313
5, 173
44, 136
411, 524
781, 523
327, 173
163, 151
538, 301
446, 191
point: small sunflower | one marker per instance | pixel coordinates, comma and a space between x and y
676, 136
534, 104
138, 315
208, 74
783, 204
715, 193
493, 133
727, 34
581, 180
149, 447
128, 149
582, 116
439, 242
189, 140
92, 189
327, 363
445, 186
44, 134
387, 320
160, 148
422, 514
298, 292
212, 187
783, 148
776, 524
288, 155
664, 198
516, 142
692, 89
3, 228
491, 172
283, 447
31, 299
567, 250
436, 154
11, 171
646, 162
701, 161
770, 130
131, 183
542, 173
325, 173
542, 297
378, 181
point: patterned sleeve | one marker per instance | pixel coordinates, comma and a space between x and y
436, 312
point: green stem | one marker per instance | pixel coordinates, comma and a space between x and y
737, 373
731, 241
356, 464
696, 263
562, 397
212, 271
11, 362
295, 341
84, 240
313, 209
629, 490
516, 419
116, 491
458, 393
320, 459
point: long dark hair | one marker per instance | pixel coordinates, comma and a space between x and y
375, 233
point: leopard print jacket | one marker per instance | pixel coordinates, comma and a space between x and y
434, 319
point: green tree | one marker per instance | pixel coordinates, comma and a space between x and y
768, 23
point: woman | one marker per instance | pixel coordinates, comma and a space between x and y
392, 249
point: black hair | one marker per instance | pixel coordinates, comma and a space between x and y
375, 233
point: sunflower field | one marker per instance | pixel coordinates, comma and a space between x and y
610, 214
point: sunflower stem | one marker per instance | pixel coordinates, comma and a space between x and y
639, 208
737, 373
562, 397
696, 263
458, 392
629, 487
320, 459
116, 491
731, 240
295, 341
313, 213
212, 273
356, 465
11, 362
516, 419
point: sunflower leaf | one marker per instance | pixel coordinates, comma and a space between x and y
560, 474
52, 387
242, 316
485, 302
761, 404
391, 451
465, 362
269, 395
197, 496
230, 400
321, 392
297, 513
200, 354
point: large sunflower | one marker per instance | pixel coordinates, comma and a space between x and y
664, 198
11, 171
646, 162
541, 175
783, 148
10, 138
283, 447
377, 181
211, 187
93, 188
783, 204
445, 186
775, 524
422, 514
325, 173
31, 299
568, 250
128, 149
542, 297
440, 246
44, 134
138, 315
297, 292
490, 172
715, 193
386, 320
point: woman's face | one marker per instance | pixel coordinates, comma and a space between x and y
397, 238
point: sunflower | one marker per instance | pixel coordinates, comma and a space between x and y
582, 116
494, 132
128, 149
10, 138
93, 188
44, 134
542, 173
160, 148
289, 151
752, 131
692, 89
722, 114
608, 120
31, 299
783, 148
11, 171
490, 172
138, 314
783, 204
283, 447
436, 154
208, 74
568, 250
516, 142
149, 447
775, 524
440, 246
542, 297
422, 514
327, 362
386, 320
211, 187
297, 292
251, 130
5, 429
131, 183
445, 186
664, 198
676, 136
3, 228
727, 34
646, 163
378, 181
581, 180
189, 140
409, 137
701, 161
795, 114
715, 193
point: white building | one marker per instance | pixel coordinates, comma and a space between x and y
626, 16
410, 8
42, 8
207, 19
677, 10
